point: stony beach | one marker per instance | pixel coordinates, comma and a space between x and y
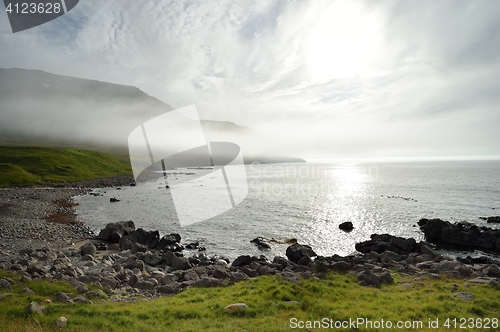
41, 241
24, 213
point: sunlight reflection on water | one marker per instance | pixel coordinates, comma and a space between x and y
308, 202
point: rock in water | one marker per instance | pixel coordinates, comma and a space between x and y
346, 226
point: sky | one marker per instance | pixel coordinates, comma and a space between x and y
316, 79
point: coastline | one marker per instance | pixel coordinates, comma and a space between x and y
24, 210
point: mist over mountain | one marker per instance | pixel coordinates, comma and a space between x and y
46, 109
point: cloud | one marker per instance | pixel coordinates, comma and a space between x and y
315, 77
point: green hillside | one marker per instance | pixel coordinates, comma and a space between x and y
25, 166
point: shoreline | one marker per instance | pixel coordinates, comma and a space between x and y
24, 214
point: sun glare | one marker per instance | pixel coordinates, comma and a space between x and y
343, 41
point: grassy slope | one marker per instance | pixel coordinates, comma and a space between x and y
338, 297
24, 166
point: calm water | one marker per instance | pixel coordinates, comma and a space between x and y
308, 202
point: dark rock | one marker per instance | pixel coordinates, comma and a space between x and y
390, 256
297, 252
192, 245
221, 273
146, 284
138, 247
492, 271
366, 278
133, 263
346, 226
113, 232
64, 297
242, 260
238, 276
261, 243
461, 235
180, 263
208, 282
4, 284
168, 240
341, 266
114, 200
101, 247
170, 289
492, 220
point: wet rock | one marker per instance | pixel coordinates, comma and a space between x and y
491, 220
261, 243
242, 260
113, 232
298, 252
346, 226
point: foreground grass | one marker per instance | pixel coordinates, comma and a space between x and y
271, 305
25, 166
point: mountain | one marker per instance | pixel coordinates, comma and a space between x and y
39, 108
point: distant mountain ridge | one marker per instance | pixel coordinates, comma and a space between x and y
39, 108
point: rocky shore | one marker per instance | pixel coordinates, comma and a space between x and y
41, 241
42, 217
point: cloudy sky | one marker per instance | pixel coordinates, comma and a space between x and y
335, 79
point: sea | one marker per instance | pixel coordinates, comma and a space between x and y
308, 202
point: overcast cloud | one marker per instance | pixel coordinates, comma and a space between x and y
316, 78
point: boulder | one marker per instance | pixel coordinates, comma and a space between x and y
113, 232
491, 220
298, 252
346, 226
64, 297
180, 263
168, 240
242, 260
261, 243
34, 307
366, 278
390, 256
208, 282
170, 289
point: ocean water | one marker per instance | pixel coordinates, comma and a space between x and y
309, 201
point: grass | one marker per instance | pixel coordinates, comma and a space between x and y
26, 166
270, 303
